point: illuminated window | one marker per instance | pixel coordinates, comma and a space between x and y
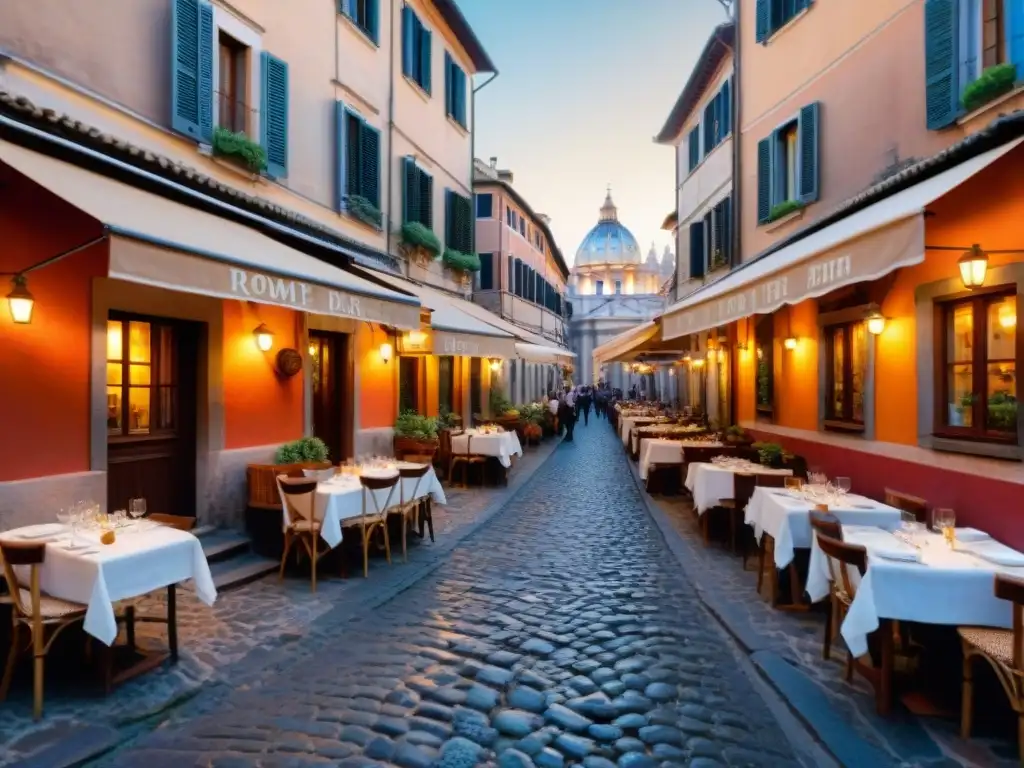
846, 367
141, 377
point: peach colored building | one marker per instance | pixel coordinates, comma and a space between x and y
232, 182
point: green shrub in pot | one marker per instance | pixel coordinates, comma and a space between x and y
306, 450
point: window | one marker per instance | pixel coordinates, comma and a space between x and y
764, 394
618, 287
454, 90
599, 287
485, 277
698, 256
719, 235
522, 226
510, 286
538, 297
415, 49
716, 121
445, 384
417, 194
978, 380
693, 147
982, 39
508, 217
518, 289
142, 392
846, 353
484, 206
363, 14
232, 96
358, 168
787, 166
458, 232
408, 383
475, 376
773, 15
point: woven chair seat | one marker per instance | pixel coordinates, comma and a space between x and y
995, 643
52, 607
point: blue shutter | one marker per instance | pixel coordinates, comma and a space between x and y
369, 164
697, 249
763, 24
729, 235
1013, 14
408, 34
708, 122
274, 113
340, 180
373, 19
410, 191
809, 133
941, 62
449, 219
192, 68
460, 93
353, 156
725, 108
764, 180
693, 147
449, 86
426, 200
425, 58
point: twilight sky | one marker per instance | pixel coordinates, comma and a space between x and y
584, 86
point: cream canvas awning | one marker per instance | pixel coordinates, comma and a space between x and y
541, 353
159, 242
625, 341
863, 246
455, 331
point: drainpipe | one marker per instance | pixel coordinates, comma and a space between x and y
737, 239
391, 135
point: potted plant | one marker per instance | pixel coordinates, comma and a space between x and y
772, 454
737, 435
419, 242
415, 435
993, 83
364, 210
239, 149
532, 415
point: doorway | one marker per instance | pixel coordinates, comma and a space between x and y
152, 390
328, 352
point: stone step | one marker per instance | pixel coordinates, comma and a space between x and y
221, 544
241, 570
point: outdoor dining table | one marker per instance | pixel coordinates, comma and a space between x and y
341, 498
628, 423
501, 445
784, 514
709, 482
662, 450
144, 557
670, 431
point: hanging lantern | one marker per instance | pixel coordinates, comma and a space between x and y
20, 301
973, 266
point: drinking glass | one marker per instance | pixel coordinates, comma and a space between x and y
794, 483
137, 508
844, 484
944, 521
64, 518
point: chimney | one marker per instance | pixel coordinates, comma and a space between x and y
494, 163
505, 176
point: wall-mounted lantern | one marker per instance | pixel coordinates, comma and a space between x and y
264, 337
20, 301
973, 266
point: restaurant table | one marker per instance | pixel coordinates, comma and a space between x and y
341, 498
710, 482
501, 445
628, 423
783, 514
661, 450
936, 585
670, 431
145, 556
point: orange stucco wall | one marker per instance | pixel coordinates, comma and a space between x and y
44, 385
744, 383
796, 370
260, 406
378, 382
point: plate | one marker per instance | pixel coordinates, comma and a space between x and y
37, 531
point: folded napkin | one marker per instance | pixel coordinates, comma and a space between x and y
994, 552
881, 543
967, 535
909, 555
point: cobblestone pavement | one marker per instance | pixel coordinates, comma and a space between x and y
561, 633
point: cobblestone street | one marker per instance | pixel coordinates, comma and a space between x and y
562, 632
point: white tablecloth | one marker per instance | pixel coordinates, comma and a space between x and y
946, 587
502, 445
667, 431
710, 482
628, 423
657, 450
783, 514
341, 499
145, 557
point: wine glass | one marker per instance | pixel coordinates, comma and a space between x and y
137, 508
944, 522
64, 518
844, 484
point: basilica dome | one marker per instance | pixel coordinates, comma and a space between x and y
609, 242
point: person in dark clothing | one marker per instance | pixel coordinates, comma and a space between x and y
567, 413
586, 400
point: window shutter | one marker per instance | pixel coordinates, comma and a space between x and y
449, 219
486, 271
426, 192
460, 92
697, 249
407, 40
340, 157
810, 130
941, 62
192, 68
353, 157
425, 58
373, 19
1013, 22
727, 246
693, 146
369, 163
725, 108
449, 86
764, 180
410, 190
763, 23
511, 286
708, 123
274, 113
467, 223
718, 236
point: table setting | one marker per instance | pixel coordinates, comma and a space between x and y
666, 450
489, 441
666, 430
711, 481
628, 423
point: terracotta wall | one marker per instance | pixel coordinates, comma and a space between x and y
377, 381
44, 387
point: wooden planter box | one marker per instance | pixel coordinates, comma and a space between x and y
418, 450
512, 423
263, 518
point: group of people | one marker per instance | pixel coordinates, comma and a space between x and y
573, 402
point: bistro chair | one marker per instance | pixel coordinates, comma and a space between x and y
1003, 649
298, 500
466, 460
743, 484
828, 525
35, 613
904, 502
409, 505
374, 515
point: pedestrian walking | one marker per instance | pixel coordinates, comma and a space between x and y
567, 413
586, 400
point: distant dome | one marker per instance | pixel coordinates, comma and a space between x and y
609, 242
652, 258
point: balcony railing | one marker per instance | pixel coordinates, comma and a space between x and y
235, 115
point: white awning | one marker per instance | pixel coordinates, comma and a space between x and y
624, 342
539, 353
157, 241
863, 246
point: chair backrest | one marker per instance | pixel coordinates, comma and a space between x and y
371, 486
747, 453
322, 475
32, 554
799, 466
846, 556
297, 497
181, 522
411, 473
743, 484
771, 480
915, 505
1012, 588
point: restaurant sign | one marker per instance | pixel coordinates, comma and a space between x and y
141, 262
473, 345
862, 259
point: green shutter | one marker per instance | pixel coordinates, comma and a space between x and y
468, 222
449, 86
353, 157
809, 133
410, 190
407, 38
449, 219
764, 180
425, 58
340, 181
697, 249
192, 68
274, 113
763, 22
941, 62
426, 200
369, 163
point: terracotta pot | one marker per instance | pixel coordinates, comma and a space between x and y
409, 446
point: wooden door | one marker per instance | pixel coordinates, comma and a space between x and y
331, 412
151, 413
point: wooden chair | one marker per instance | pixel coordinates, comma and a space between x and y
298, 499
409, 505
374, 515
743, 484
915, 505
181, 522
465, 460
34, 611
828, 525
1003, 649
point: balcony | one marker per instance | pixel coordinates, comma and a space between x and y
526, 314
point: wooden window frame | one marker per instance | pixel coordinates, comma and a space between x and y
765, 411
156, 365
980, 299
843, 421
236, 76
